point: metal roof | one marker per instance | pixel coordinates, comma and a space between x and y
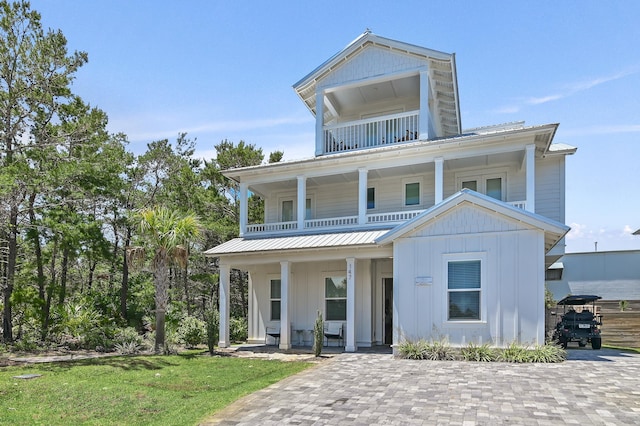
256, 245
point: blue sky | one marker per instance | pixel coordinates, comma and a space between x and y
217, 70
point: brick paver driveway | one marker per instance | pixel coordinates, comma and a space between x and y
590, 388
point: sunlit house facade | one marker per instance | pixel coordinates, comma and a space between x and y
403, 225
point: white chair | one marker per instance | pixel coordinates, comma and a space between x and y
273, 332
333, 331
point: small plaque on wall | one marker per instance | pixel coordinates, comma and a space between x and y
424, 280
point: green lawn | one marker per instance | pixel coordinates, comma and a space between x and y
163, 390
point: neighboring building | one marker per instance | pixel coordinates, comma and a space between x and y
613, 275
403, 225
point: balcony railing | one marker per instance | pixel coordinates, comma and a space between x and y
371, 132
351, 222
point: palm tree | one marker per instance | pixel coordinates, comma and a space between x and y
167, 233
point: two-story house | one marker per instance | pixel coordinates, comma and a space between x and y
403, 226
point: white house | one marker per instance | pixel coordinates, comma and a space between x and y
403, 225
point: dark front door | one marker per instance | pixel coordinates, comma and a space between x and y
387, 283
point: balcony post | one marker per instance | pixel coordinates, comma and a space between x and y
351, 305
362, 196
302, 201
530, 166
439, 179
320, 146
424, 114
244, 207
285, 311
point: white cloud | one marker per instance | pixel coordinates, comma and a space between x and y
570, 90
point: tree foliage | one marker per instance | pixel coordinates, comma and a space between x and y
76, 207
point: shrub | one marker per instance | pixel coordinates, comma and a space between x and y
435, 350
212, 319
191, 331
440, 350
480, 353
514, 353
318, 335
547, 353
411, 349
623, 304
128, 341
238, 329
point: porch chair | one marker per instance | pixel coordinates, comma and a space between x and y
273, 332
333, 331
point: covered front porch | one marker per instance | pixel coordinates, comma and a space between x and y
342, 276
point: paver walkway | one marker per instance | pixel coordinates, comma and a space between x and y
590, 388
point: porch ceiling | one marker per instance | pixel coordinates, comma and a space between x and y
355, 98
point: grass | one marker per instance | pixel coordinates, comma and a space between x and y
140, 390
622, 348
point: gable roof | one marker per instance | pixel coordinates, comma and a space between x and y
553, 231
442, 73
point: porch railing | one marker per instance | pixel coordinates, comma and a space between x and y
371, 132
331, 222
346, 221
271, 227
392, 217
519, 204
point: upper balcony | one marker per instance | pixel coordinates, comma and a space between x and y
371, 133
342, 223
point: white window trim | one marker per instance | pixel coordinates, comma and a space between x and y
419, 181
457, 257
269, 279
326, 275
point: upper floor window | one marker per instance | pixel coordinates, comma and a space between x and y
288, 211
411, 193
371, 198
492, 185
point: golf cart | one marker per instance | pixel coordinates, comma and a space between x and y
581, 326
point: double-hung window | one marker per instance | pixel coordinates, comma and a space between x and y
275, 299
335, 294
464, 290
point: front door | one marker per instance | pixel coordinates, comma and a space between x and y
387, 283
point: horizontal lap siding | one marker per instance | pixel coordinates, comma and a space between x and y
550, 188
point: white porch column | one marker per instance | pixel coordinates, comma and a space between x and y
244, 207
362, 196
302, 201
423, 117
530, 166
225, 296
285, 311
351, 305
319, 122
439, 179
